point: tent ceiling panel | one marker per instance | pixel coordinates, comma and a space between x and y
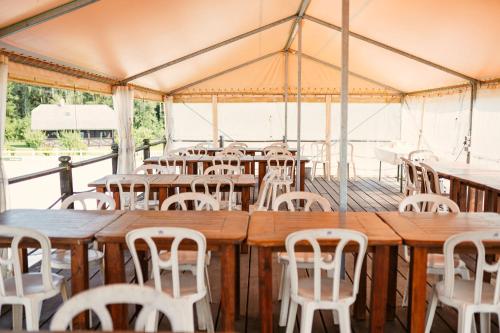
124, 37
461, 35
373, 62
215, 61
15, 11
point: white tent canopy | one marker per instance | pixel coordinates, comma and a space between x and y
167, 45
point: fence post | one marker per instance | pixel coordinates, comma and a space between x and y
221, 141
66, 177
164, 144
114, 159
146, 151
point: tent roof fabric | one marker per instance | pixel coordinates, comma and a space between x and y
115, 40
54, 117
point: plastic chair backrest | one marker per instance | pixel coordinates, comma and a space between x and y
201, 201
209, 181
97, 299
151, 169
222, 169
265, 191
133, 182
283, 165
239, 146
101, 198
310, 199
477, 238
276, 151
173, 161
411, 176
431, 179
425, 202
176, 235
233, 160
12, 261
422, 155
320, 262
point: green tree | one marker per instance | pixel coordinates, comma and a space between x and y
71, 140
148, 121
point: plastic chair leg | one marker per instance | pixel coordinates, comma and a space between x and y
430, 313
285, 299
291, 317
306, 318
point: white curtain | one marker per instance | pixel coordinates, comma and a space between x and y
168, 105
4, 69
123, 103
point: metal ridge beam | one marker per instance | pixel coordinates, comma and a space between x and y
44, 17
351, 73
393, 49
293, 31
226, 71
207, 49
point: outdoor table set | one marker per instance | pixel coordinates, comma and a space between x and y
225, 231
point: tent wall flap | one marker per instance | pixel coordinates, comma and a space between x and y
123, 103
4, 68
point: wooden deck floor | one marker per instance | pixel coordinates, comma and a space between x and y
365, 194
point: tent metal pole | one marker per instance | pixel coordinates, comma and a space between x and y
286, 95
473, 96
421, 130
208, 49
215, 122
328, 136
226, 71
44, 17
392, 49
293, 31
344, 100
299, 106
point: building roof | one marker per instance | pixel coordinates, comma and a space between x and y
197, 47
53, 117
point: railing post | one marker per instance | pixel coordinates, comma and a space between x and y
164, 144
66, 177
114, 159
146, 151
221, 141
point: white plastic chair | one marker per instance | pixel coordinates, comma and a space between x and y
318, 157
350, 159
233, 160
276, 150
230, 152
284, 168
222, 169
61, 259
304, 260
412, 182
431, 179
174, 162
468, 296
239, 146
201, 201
151, 169
264, 196
151, 300
322, 292
129, 200
435, 262
192, 289
28, 290
208, 182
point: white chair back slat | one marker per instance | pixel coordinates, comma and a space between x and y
283, 165
431, 179
309, 198
209, 181
201, 201
477, 239
222, 169
311, 238
12, 260
265, 191
134, 182
176, 235
425, 202
102, 200
220, 159
174, 163
412, 184
178, 311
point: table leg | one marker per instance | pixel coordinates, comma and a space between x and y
262, 171
115, 273
378, 299
80, 280
380, 170
266, 289
360, 304
393, 279
245, 198
116, 196
162, 195
23, 254
302, 175
228, 283
417, 292
248, 167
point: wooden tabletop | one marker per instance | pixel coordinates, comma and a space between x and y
62, 226
102, 181
218, 227
270, 229
433, 229
238, 180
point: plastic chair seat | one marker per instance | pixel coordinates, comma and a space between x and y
436, 261
33, 285
61, 259
304, 257
463, 293
306, 288
185, 257
188, 287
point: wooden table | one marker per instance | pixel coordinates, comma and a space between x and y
66, 229
426, 233
473, 188
268, 231
224, 231
262, 161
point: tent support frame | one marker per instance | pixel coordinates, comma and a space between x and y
299, 107
304, 4
285, 94
468, 140
344, 103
